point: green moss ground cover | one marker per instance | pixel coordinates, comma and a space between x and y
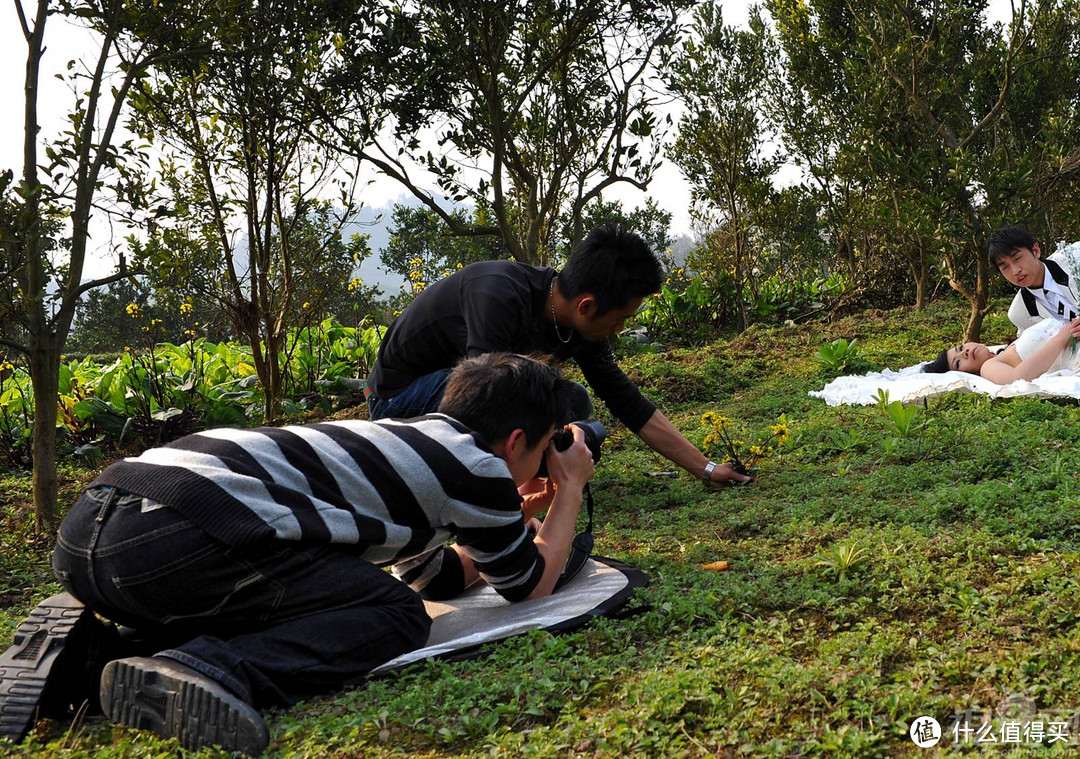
874, 577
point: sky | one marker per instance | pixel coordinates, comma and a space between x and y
64, 42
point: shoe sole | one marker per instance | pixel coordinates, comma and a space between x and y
156, 695
39, 643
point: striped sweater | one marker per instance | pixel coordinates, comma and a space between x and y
396, 490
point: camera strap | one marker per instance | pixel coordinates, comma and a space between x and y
582, 546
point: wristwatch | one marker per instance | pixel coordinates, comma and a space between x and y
706, 477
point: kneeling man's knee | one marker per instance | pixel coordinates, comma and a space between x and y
415, 621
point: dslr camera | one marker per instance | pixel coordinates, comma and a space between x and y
564, 438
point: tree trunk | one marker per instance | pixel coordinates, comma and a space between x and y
45, 379
974, 324
920, 272
980, 302
273, 389
920, 290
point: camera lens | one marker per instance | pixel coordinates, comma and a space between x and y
564, 438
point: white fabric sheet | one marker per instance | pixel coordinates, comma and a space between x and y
480, 615
910, 385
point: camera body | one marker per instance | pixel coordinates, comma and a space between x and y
595, 433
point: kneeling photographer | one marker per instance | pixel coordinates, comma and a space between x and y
250, 561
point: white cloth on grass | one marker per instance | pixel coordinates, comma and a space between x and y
910, 385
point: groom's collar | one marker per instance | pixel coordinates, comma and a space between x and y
1056, 272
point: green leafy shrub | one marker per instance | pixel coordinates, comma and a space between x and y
842, 357
688, 310
778, 299
16, 416
166, 390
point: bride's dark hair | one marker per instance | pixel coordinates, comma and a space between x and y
939, 365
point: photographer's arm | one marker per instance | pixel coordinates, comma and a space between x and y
660, 435
570, 470
625, 401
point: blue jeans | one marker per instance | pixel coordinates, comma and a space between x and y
274, 622
421, 397
425, 394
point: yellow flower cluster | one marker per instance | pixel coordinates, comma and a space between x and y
416, 275
132, 310
781, 432
719, 444
186, 309
355, 283
714, 420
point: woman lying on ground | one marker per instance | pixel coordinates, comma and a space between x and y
1043, 348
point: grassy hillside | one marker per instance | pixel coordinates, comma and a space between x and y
874, 577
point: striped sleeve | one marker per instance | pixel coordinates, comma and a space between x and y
492, 531
436, 575
482, 507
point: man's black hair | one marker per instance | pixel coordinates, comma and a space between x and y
1005, 240
939, 365
495, 393
614, 265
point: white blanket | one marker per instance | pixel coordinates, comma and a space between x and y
910, 385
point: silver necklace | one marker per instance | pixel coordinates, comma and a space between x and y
554, 320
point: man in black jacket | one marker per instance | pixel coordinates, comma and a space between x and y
508, 306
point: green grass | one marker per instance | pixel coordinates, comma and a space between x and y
874, 578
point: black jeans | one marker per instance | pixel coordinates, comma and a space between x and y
273, 622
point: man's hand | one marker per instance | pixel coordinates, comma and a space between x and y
536, 495
663, 438
724, 474
573, 467
1068, 331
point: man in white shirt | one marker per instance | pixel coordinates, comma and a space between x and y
1047, 286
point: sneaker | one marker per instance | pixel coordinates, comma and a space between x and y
176, 701
54, 664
